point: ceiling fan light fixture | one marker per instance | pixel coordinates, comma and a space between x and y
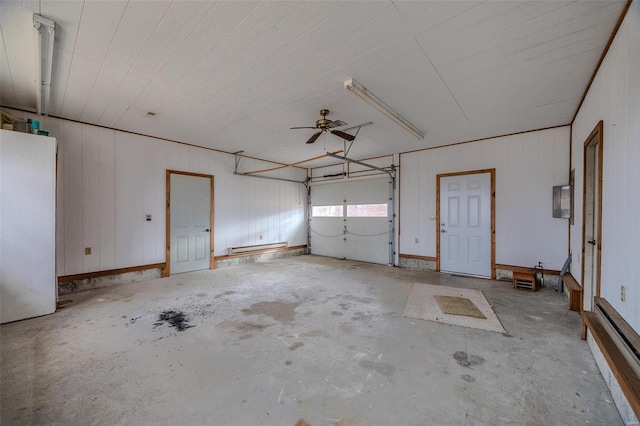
360, 91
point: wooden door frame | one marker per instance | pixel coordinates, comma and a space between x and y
492, 173
597, 136
212, 259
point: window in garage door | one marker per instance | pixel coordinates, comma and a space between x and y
350, 220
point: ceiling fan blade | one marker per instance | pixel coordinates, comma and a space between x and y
343, 135
313, 138
291, 128
336, 123
359, 125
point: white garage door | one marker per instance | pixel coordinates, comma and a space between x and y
351, 220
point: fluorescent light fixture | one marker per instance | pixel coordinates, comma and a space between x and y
364, 94
46, 29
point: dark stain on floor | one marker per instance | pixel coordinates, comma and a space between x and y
347, 327
175, 319
245, 328
467, 360
381, 367
468, 378
226, 293
296, 345
278, 310
361, 316
314, 333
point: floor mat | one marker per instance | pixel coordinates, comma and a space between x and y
454, 305
462, 306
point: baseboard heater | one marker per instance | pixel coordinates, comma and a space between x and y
625, 337
257, 248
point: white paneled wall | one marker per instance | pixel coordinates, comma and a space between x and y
109, 180
614, 97
527, 165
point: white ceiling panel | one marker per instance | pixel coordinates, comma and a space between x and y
257, 25
131, 87
7, 88
82, 75
100, 21
139, 21
106, 84
17, 17
175, 27
218, 21
235, 75
59, 77
273, 45
23, 76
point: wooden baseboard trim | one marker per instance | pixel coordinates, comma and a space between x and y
67, 278
623, 372
415, 256
525, 269
256, 253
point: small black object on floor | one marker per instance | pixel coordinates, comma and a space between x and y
175, 319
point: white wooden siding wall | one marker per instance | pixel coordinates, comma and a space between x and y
614, 97
109, 180
527, 166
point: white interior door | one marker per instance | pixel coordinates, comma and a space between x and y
465, 224
350, 219
190, 216
591, 221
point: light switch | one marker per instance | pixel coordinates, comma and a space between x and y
148, 218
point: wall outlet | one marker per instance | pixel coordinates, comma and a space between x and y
417, 240
260, 236
87, 251
623, 293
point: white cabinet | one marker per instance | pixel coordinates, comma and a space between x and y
27, 225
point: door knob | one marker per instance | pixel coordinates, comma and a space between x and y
442, 224
592, 242
443, 231
206, 230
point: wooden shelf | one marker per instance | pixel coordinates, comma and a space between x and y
574, 291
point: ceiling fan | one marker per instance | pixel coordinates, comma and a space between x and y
325, 125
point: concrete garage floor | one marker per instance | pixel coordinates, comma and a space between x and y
295, 340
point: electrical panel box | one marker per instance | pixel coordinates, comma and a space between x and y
562, 202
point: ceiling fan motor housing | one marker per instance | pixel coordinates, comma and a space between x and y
324, 121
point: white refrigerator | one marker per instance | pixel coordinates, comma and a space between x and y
27, 225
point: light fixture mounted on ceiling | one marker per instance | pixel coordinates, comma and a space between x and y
359, 90
46, 33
